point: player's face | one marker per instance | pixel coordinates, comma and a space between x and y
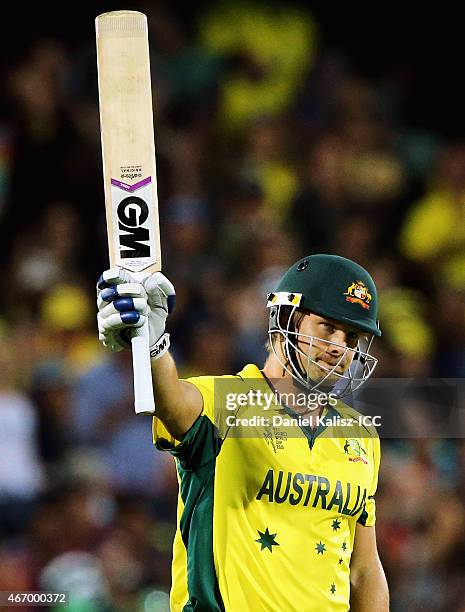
332, 347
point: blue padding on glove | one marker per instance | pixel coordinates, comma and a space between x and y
130, 317
124, 304
110, 294
102, 284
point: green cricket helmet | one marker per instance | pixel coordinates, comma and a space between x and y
333, 287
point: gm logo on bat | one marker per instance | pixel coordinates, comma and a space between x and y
132, 213
133, 227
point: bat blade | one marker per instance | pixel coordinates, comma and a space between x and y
128, 152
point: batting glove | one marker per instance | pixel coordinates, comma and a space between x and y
125, 301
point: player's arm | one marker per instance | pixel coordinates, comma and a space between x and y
123, 304
178, 402
369, 590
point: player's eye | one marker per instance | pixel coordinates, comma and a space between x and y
328, 328
352, 338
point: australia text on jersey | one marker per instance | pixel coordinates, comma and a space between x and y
312, 490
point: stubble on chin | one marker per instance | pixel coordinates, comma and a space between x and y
317, 374
318, 370
324, 372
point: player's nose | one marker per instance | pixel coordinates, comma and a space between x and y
338, 342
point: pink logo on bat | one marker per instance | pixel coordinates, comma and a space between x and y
131, 188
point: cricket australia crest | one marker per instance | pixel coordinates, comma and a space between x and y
358, 293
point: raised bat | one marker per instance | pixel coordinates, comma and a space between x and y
128, 151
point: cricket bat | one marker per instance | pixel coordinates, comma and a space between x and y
128, 151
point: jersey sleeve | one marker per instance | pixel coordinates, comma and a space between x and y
203, 441
368, 515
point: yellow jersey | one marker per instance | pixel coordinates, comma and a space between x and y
266, 517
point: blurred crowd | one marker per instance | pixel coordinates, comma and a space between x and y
270, 146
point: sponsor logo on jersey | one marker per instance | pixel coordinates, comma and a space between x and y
275, 438
353, 447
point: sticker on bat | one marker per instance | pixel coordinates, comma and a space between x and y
133, 224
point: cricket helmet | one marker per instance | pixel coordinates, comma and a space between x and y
328, 286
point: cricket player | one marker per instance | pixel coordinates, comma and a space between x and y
276, 506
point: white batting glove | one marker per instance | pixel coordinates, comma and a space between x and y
125, 301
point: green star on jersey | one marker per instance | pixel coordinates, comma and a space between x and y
267, 540
336, 524
333, 588
344, 546
320, 548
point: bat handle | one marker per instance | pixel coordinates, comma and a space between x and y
144, 402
